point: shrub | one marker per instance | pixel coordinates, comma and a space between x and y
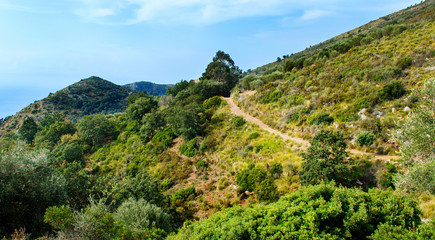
365, 139
322, 118
184, 195
189, 148
392, 91
238, 122
253, 135
166, 184
404, 62
139, 215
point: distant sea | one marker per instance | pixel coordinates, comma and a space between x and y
13, 99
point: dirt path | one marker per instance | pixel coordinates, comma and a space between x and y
304, 143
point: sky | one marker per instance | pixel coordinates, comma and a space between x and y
47, 45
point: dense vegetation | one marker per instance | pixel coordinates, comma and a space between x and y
182, 166
149, 88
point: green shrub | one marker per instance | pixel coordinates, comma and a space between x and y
312, 212
201, 164
139, 215
392, 91
166, 184
60, 218
189, 148
238, 122
184, 195
322, 118
253, 135
365, 139
404, 62
165, 136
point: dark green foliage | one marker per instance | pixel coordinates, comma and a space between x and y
135, 96
276, 170
152, 122
254, 135
187, 121
222, 69
320, 119
388, 231
28, 130
95, 129
50, 135
141, 186
182, 85
326, 160
166, 184
255, 179
140, 107
28, 185
189, 148
165, 136
201, 164
392, 90
68, 153
314, 212
289, 65
183, 195
386, 176
237, 122
90, 96
365, 139
404, 62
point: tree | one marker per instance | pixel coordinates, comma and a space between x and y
187, 121
416, 137
51, 134
28, 185
326, 160
222, 69
95, 129
140, 107
28, 130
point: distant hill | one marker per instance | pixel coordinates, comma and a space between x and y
149, 87
88, 96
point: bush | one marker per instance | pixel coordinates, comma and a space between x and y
313, 212
404, 62
322, 118
365, 139
166, 184
184, 195
139, 215
189, 148
392, 91
238, 122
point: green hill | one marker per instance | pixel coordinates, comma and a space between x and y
88, 96
149, 87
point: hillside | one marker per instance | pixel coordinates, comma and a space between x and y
364, 83
338, 144
149, 88
88, 96
413, 14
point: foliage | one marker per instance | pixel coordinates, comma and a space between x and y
326, 160
420, 178
28, 185
152, 122
189, 148
322, 211
222, 69
386, 176
28, 130
238, 122
187, 122
166, 184
322, 118
139, 215
140, 107
255, 179
141, 186
51, 135
365, 139
276, 169
165, 136
95, 129
416, 137
392, 90
60, 218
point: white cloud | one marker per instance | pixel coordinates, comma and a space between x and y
313, 14
204, 12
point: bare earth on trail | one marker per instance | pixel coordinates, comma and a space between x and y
304, 143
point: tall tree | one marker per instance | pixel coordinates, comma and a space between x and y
326, 160
28, 130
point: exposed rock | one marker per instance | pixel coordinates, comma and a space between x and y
407, 109
378, 113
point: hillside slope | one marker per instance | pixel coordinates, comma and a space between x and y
362, 84
88, 96
149, 87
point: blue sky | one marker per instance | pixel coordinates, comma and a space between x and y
46, 45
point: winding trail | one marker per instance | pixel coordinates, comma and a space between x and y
302, 142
